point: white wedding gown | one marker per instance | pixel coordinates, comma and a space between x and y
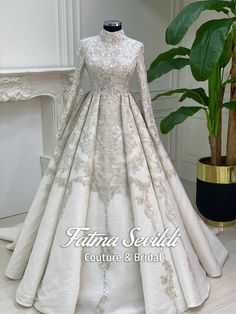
110, 172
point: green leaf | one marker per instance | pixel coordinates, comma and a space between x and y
230, 105
177, 117
170, 54
223, 9
165, 67
208, 47
198, 95
190, 13
227, 52
171, 92
166, 56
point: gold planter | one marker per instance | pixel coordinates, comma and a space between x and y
216, 193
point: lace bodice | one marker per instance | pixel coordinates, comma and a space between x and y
111, 58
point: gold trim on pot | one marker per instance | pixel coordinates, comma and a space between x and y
215, 174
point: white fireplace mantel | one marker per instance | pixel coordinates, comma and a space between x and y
50, 85
26, 83
18, 84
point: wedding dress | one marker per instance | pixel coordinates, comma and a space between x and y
111, 173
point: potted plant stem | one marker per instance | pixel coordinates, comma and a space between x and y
213, 48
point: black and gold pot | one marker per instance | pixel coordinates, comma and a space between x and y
216, 193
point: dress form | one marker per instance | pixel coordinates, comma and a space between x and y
112, 25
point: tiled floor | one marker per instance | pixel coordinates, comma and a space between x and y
222, 298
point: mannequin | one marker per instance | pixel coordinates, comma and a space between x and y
112, 25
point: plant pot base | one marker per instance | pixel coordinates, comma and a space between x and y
215, 202
216, 190
219, 224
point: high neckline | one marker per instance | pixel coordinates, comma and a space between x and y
112, 37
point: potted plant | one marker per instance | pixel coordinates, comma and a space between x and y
214, 46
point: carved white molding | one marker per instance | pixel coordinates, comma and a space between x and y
25, 84
69, 25
14, 88
173, 77
176, 6
66, 20
76, 4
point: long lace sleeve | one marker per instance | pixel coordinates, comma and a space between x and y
75, 89
145, 96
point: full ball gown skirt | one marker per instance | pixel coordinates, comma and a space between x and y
111, 173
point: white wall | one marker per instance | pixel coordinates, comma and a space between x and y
29, 33
20, 148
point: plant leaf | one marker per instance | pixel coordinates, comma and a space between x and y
177, 117
170, 54
227, 52
181, 23
208, 47
161, 62
166, 66
165, 56
171, 92
197, 94
230, 105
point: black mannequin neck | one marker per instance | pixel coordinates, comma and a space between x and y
112, 28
